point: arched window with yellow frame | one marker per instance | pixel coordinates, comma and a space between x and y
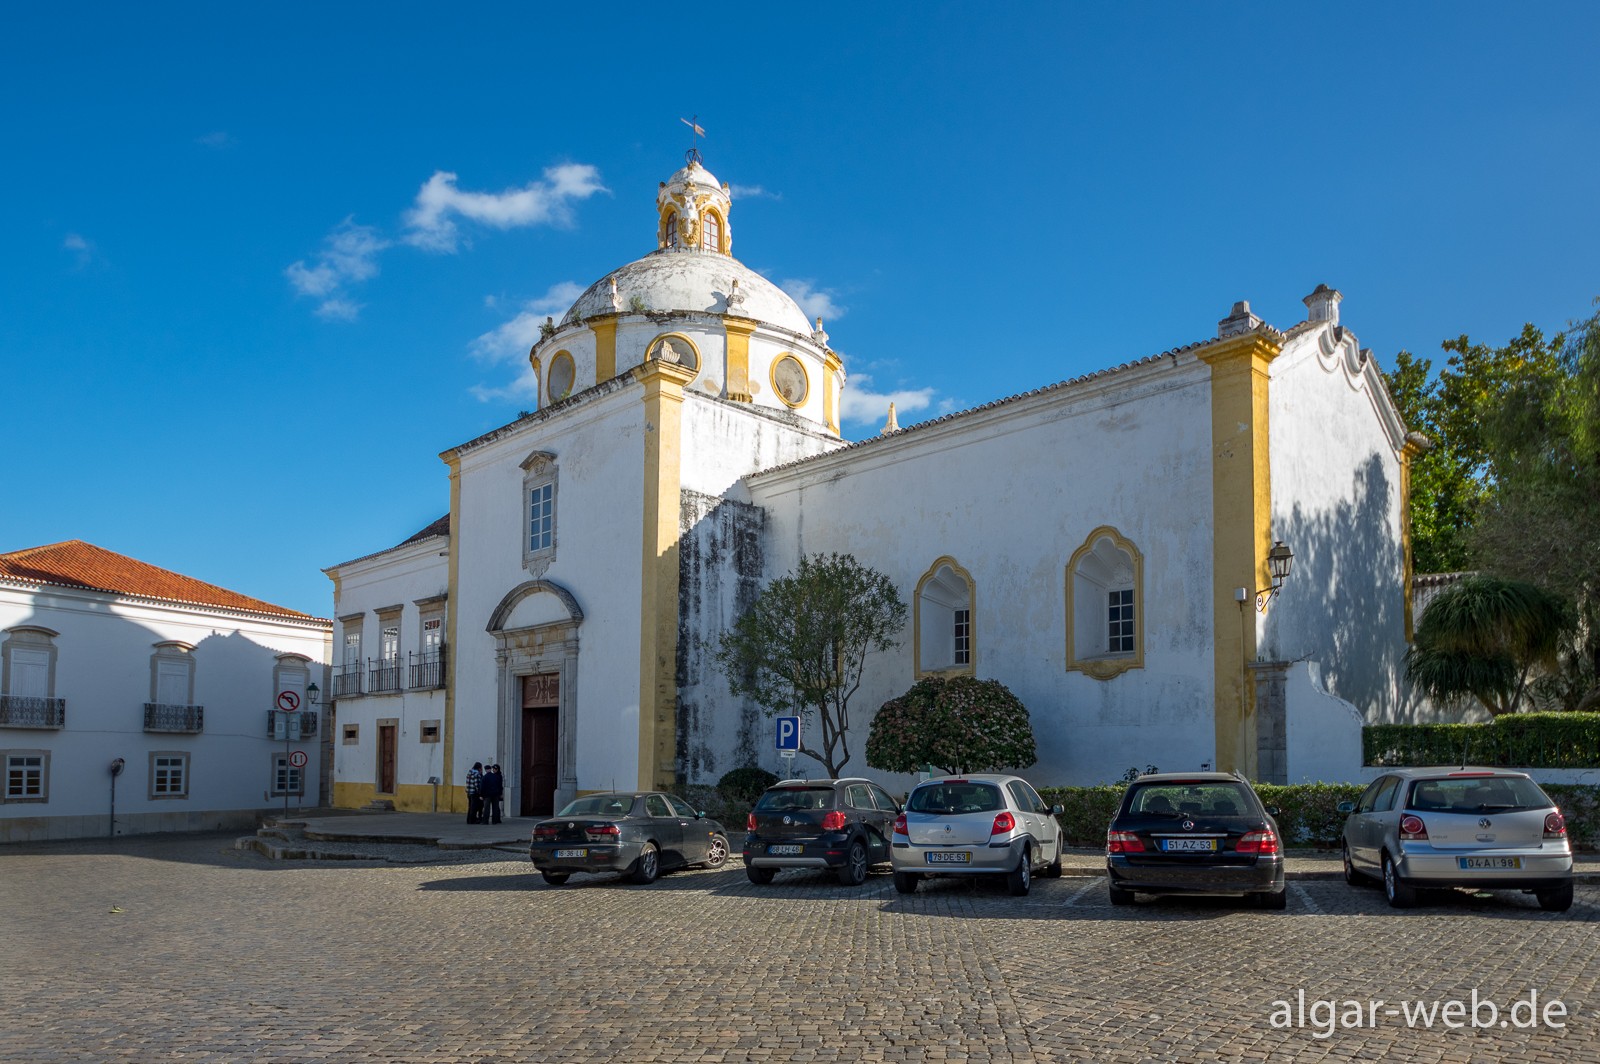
711, 231
1105, 605
943, 637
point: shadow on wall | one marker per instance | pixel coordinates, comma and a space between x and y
1348, 597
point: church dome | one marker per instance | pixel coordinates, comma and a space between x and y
679, 280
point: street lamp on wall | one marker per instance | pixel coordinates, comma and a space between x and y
1279, 560
313, 693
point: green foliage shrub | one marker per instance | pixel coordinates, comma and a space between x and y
956, 724
1520, 740
741, 787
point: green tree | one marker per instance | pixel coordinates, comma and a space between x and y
1486, 638
802, 646
958, 724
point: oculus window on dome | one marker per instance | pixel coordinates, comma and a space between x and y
789, 380
675, 348
563, 373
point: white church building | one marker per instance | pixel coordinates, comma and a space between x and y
1100, 545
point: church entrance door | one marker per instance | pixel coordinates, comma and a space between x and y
541, 736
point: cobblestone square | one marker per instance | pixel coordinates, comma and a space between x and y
181, 948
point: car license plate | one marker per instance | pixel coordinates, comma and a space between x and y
1496, 863
785, 851
950, 857
572, 853
1189, 845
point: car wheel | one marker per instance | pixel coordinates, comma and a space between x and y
648, 866
906, 882
1399, 894
1020, 878
854, 871
1273, 899
717, 852
1351, 876
1118, 895
759, 876
1053, 869
555, 879
1555, 900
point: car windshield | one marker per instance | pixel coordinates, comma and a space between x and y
1197, 798
956, 796
598, 805
1477, 794
788, 799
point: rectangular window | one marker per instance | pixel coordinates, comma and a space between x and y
541, 517
963, 626
429, 732
352, 647
432, 634
169, 775
27, 777
390, 641
30, 673
352, 734
1120, 629
286, 779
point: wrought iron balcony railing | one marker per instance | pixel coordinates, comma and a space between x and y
31, 711
167, 717
384, 676
301, 725
347, 680
427, 669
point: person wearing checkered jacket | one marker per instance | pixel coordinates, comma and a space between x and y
475, 793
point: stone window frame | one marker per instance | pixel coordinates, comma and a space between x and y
350, 734
170, 652
1107, 561
183, 759
279, 758
424, 728
6, 797
28, 637
939, 614
539, 470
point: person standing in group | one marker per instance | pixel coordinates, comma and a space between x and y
494, 789
475, 793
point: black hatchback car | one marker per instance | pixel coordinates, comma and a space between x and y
841, 826
1194, 833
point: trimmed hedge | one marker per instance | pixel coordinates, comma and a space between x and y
1519, 740
1309, 811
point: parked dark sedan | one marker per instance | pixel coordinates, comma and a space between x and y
1194, 833
641, 833
838, 826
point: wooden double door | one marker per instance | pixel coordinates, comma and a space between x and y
541, 739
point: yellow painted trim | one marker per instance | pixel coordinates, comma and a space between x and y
538, 374
831, 367
658, 643
407, 798
605, 349
546, 393
738, 333
1241, 514
1108, 667
772, 379
699, 359
971, 667
724, 241
452, 609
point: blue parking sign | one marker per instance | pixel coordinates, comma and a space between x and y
788, 733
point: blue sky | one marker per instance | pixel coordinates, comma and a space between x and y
242, 308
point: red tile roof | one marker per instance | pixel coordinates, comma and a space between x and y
75, 563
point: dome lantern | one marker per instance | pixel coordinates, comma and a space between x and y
692, 210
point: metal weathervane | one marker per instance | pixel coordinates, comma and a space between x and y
693, 154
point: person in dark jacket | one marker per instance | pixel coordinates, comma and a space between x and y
494, 789
475, 793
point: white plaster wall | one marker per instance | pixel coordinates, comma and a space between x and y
599, 452
397, 577
1336, 502
1322, 731
103, 671
1011, 493
723, 442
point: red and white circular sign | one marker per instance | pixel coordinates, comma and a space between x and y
298, 759
288, 701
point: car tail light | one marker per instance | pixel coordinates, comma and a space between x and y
1123, 842
1555, 826
750, 822
1262, 842
900, 825
546, 831
834, 821
602, 829
1412, 827
1003, 822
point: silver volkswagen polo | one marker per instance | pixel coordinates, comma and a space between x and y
978, 824
1484, 828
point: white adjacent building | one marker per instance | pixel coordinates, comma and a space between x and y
1098, 545
109, 663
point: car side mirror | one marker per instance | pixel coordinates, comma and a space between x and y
1057, 810
699, 814
1274, 812
1346, 808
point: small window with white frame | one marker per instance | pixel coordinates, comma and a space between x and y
538, 512
286, 778
27, 776
169, 775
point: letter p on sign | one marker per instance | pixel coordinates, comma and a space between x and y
788, 733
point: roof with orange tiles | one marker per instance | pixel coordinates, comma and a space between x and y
74, 563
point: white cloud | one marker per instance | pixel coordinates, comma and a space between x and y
815, 302
510, 341
524, 388
83, 250
753, 192
431, 222
349, 255
216, 140
861, 405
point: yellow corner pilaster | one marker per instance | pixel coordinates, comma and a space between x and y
658, 643
831, 369
605, 349
738, 332
1241, 520
452, 610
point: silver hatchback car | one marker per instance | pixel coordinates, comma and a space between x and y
1484, 828
978, 824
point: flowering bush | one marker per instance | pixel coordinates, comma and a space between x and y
956, 724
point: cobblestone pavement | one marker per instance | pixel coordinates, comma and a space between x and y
183, 949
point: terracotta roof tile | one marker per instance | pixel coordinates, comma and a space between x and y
74, 563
